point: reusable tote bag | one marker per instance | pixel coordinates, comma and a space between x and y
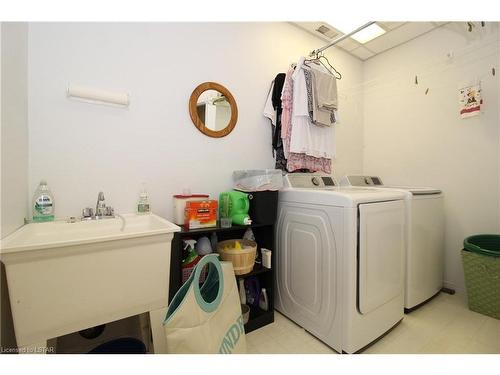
206, 319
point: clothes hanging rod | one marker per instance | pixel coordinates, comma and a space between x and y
339, 39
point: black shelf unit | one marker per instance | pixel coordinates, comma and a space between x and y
264, 236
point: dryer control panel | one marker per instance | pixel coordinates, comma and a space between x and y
361, 181
309, 181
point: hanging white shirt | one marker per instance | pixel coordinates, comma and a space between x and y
269, 110
307, 138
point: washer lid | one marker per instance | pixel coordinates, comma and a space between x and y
376, 182
416, 190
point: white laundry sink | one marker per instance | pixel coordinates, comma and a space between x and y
63, 277
37, 236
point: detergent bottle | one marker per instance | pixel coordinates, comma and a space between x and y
43, 203
235, 204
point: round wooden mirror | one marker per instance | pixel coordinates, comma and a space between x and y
213, 109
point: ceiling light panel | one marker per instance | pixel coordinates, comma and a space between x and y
368, 33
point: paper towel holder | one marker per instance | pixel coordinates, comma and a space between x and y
97, 96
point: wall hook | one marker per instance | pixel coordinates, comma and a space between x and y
427, 91
416, 80
493, 71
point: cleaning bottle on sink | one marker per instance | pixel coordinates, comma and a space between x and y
43, 203
143, 206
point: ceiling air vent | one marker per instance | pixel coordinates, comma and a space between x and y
326, 31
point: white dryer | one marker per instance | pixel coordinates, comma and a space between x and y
340, 260
424, 238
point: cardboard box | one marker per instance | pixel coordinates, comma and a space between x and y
200, 214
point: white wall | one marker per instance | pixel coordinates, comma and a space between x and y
14, 152
82, 148
417, 139
14, 117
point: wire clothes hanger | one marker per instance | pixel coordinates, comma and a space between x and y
318, 57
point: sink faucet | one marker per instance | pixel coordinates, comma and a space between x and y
101, 210
100, 207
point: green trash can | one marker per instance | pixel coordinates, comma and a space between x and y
481, 262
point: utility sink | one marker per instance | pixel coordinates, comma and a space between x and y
37, 236
67, 276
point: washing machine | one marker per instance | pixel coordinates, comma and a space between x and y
424, 238
340, 260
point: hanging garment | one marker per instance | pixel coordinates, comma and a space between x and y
300, 162
286, 116
317, 141
322, 115
269, 110
270, 113
325, 85
272, 110
279, 81
297, 162
317, 115
283, 116
276, 99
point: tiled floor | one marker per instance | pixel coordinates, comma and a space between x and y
443, 325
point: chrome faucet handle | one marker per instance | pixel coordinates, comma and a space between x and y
87, 212
109, 211
100, 206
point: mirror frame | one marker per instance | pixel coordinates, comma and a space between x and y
193, 101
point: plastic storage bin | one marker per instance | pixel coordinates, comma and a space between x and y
243, 258
481, 262
258, 179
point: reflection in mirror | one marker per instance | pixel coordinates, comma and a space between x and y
213, 110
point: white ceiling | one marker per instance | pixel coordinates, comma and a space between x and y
396, 34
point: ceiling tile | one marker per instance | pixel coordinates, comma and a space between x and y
348, 44
390, 25
399, 35
362, 52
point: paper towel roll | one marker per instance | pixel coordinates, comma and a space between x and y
93, 95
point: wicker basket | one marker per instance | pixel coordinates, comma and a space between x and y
243, 259
481, 261
482, 279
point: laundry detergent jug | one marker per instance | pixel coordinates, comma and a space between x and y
235, 204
